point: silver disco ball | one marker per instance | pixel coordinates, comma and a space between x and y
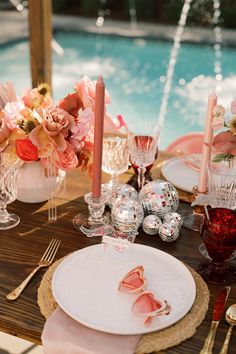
173, 218
151, 224
122, 190
159, 197
168, 233
127, 215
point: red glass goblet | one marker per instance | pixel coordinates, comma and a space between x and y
219, 236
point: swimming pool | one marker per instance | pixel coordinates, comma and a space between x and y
134, 72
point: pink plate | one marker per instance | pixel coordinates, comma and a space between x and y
190, 143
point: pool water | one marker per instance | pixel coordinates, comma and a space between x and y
134, 72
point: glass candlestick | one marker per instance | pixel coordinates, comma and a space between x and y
95, 216
193, 220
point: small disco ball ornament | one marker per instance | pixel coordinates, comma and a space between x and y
159, 197
127, 215
122, 190
168, 233
151, 224
173, 218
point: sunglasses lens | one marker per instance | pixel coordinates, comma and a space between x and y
147, 305
133, 281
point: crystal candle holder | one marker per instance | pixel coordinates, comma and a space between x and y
96, 207
95, 216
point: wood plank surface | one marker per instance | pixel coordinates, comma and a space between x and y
40, 33
22, 246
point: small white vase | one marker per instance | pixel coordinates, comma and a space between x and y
33, 186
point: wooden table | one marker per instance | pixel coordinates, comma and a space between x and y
22, 246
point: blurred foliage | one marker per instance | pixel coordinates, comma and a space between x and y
159, 11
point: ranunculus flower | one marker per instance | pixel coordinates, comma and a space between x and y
33, 99
72, 103
67, 159
26, 150
218, 117
4, 132
225, 143
86, 90
233, 106
57, 121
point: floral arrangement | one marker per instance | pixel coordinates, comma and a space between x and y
34, 128
224, 143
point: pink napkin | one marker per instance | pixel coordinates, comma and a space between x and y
63, 335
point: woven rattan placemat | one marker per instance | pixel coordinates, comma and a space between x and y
152, 342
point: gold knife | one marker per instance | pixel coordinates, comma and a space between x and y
218, 311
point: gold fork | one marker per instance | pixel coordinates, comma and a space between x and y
45, 261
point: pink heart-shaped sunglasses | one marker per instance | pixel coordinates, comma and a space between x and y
146, 304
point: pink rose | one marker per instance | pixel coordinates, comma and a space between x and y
225, 143
57, 121
72, 104
12, 112
233, 106
86, 90
4, 132
81, 129
67, 159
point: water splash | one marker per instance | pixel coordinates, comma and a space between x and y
196, 93
172, 61
217, 45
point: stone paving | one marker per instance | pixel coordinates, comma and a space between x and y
14, 26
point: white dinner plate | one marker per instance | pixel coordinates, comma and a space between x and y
85, 287
179, 174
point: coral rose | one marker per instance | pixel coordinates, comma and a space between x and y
225, 143
71, 104
67, 159
4, 132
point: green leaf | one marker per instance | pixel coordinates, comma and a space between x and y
223, 157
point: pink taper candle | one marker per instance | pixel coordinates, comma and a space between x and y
98, 137
207, 143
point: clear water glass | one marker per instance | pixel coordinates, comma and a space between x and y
222, 184
9, 168
115, 158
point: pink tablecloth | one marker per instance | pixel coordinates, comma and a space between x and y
63, 335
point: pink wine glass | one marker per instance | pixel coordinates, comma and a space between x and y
143, 152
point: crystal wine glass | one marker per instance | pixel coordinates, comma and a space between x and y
115, 157
221, 189
9, 167
143, 150
219, 236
